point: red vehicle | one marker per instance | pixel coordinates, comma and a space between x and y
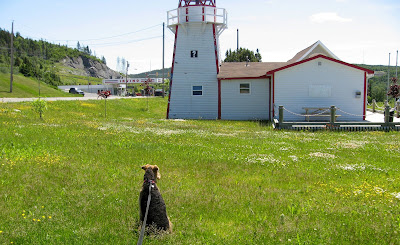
103, 94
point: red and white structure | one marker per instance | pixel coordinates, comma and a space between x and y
313, 78
194, 91
202, 88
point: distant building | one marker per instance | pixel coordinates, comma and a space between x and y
202, 88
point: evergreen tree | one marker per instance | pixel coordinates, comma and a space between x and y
78, 46
242, 55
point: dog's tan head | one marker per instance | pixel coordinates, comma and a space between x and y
155, 169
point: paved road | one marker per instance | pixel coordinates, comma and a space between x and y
378, 117
88, 96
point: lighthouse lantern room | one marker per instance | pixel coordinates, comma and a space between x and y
194, 88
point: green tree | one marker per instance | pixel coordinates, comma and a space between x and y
39, 106
103, 59
242, 55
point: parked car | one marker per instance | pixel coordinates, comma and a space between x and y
158, 92
76, 91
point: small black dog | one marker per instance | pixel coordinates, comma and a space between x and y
157, 214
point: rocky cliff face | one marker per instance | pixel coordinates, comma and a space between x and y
84, 66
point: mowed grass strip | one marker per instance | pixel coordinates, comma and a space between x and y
27, 87
74, 178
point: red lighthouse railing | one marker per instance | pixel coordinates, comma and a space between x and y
184, 3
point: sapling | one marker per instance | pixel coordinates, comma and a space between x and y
39, 106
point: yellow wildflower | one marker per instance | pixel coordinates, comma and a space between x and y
1, 232
49, 217
43, 217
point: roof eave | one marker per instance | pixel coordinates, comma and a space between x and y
316, 57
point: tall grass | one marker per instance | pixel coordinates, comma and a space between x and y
74, 178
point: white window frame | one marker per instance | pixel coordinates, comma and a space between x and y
197, 90
249, 88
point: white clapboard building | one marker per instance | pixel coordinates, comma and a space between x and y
194, 85
203, 88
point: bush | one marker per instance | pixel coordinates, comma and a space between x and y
39, 106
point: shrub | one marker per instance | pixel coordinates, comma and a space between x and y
39, 106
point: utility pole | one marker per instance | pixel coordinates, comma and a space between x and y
12, 56
127, 66
163, 46
397, 58
237, 45
387, 89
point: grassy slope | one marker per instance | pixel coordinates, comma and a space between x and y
223, 182
24, 87
67, 77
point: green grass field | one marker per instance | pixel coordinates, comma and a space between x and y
74, 178
25, 87
67, 77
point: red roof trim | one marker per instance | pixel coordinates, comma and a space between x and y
324, 57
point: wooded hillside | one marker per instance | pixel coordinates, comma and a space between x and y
377, 86
37, 58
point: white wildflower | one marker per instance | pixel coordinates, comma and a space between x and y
322, 155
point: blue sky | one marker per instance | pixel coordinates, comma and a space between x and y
357, 31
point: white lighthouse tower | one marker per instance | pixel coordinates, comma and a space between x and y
194, 88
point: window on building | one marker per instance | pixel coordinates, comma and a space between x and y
245, 88
197, 90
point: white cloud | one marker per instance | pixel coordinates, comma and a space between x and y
328, 17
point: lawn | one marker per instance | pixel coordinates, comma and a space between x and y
74, 178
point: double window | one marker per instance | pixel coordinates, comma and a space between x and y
197, 90
244, 88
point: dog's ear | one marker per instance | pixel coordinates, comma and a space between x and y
144, 167
156, 172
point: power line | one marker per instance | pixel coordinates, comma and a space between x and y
124, 42
103, 38
91, 39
